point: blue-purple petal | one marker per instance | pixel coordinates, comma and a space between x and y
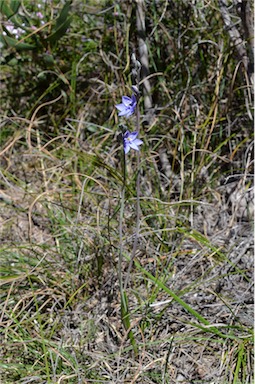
133, 135
126, 101
120, 107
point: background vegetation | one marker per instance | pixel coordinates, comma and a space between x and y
64, 66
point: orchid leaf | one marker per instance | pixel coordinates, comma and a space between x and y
56, 35
9, 8
62, 24
63, 15
11, 42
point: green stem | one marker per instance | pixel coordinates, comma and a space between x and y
125, 316
122, 205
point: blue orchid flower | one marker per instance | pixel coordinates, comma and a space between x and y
130, 141
127, 107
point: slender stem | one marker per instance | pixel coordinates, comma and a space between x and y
125, 316
122, 205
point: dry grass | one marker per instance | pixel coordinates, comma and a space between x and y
190, 290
